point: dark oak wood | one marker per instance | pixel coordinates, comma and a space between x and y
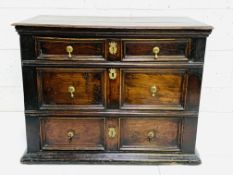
108, 113
113, 92
188, 138
70, 157
117, 56
170, 89
112, 143
135, 134
53, 87
83, 49
30, 88
82, 64
112, 119
170, 49
33, 134
88, 133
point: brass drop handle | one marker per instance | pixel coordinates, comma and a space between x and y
153, 90
70, 135
156, 51
71, 90
69, 50
111, 132
112, 74
150, 135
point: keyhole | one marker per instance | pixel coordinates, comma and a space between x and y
149, 139
111, 133
70, 139
150, 135
112, 74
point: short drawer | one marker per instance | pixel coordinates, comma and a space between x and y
150, 134
156, 49
70, 49
72, 133
68, 88
162, 89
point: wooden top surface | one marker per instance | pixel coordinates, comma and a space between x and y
114, 22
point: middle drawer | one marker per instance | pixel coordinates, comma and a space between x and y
71, 88
101, 88
160, 89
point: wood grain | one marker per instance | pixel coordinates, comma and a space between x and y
83, 49
170, 49
113, 90
88, 83
136, 84
134, 134
125, 158
125, 103
88, 133
112, 143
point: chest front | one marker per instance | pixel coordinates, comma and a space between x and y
111, 94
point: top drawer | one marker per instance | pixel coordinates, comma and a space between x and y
70, 48
176, 49
156, 49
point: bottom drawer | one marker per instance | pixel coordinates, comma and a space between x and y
134, 134
72, 133
150, 134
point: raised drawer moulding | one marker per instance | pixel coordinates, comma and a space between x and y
105, 90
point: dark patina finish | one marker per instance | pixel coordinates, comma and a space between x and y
111, 90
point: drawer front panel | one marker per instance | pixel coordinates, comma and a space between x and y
157, 50
72, 134
153, 89
71, 88
70, 49
150, 134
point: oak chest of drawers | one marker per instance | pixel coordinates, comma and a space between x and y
111, 90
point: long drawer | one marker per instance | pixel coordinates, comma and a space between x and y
89, 88
99, 133
93, 49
